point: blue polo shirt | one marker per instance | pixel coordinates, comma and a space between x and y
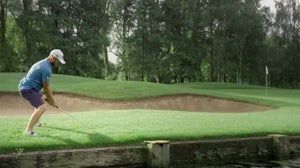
39, 72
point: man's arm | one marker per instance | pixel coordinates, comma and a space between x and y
48, 92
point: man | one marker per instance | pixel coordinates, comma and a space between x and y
38, 77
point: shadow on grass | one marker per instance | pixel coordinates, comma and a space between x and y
95, 139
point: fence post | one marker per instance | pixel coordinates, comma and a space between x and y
158, 154
281, 147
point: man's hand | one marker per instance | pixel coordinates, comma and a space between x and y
49, 97
51, 103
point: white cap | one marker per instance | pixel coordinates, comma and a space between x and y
57, 53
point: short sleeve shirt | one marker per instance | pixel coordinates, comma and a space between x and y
39, 72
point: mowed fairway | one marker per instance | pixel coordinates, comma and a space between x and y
120, 127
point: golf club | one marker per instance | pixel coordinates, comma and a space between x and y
64, 111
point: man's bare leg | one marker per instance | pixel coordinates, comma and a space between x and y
35, 117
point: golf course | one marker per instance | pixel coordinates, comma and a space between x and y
116, 113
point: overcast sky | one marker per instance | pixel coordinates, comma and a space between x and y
269, 3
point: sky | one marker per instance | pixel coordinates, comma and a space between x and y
270, 3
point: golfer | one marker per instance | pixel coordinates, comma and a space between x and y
38, 77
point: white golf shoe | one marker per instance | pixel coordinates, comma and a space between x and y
38, 124
30, 133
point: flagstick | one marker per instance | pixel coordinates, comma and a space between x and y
266, 84
267, 73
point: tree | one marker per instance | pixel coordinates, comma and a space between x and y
287, 27
235, 30
145, 43
3, 44
3, 14
8, 61
122, 15
165, 41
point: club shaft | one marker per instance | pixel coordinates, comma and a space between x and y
73, 117
64, 111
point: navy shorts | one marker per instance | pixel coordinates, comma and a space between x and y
33, 96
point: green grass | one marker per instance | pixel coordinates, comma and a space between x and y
120, 127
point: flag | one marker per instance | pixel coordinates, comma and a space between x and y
267, 71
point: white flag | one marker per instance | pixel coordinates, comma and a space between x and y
267, 71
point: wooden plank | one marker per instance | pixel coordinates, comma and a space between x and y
114, 156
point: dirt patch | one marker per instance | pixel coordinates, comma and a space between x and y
13, 104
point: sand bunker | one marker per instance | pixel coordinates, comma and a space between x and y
13, 104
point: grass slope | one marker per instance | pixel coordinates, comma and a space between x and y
118, 127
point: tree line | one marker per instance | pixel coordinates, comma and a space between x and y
164, 41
